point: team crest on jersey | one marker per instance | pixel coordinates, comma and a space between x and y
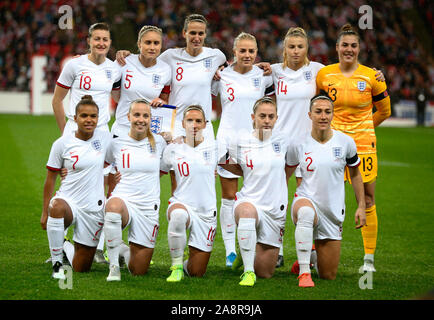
361, 85
108, 73
307, 75
156, 123
156, 79
207, 155
337, 152
256, 82
151, 150
276, 147
207, 63
96, 145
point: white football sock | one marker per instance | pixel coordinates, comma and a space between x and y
281, 248
68, 247
304, 237
101, 242
55, 229
247, 241
177, 235
228, 225
113, 236
124, 251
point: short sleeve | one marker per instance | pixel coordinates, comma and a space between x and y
67, 75
109, 155
166, 159
292, 155
352, 158
55, 159
215, 87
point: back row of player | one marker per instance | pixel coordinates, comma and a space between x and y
189, 73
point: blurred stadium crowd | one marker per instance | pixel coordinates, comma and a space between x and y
393, 45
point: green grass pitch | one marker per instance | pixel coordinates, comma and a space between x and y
404, 257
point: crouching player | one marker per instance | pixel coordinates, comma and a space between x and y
80, 198
318, 208
135, 200
193, 203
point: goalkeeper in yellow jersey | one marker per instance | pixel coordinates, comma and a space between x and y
355, 92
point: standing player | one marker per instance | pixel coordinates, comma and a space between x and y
260, 208
135, 200
80, 198
89, 74
294, 83
318, 208
193, 69
193, 203
239, 87
355, 91
142, 77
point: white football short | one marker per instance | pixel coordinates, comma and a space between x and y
203, 227
143, 223
328, 227
269, 231
120, 130
87, 225
226, 174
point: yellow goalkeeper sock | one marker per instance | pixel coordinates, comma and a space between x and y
370, 230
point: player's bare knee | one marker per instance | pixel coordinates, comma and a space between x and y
328, 275
57, 208
114, 205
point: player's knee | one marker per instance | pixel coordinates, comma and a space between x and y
266, 274
196, 271
178, 221
369, 201
114, 205
328, 275
58, 208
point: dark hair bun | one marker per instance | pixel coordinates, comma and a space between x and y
87, 97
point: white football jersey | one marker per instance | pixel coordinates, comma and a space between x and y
263, 164
322, 169
192, 78
293, 90
139, 165
84, 183
83, 77
195, 172
138, 82
238, 93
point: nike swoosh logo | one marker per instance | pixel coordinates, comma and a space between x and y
306, 153
178, 63
129, 70
228, 84
280, 78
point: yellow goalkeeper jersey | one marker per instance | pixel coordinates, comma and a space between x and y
354, 98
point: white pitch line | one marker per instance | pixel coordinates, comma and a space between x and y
394, 164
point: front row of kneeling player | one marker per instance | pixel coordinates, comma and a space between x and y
264, 158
